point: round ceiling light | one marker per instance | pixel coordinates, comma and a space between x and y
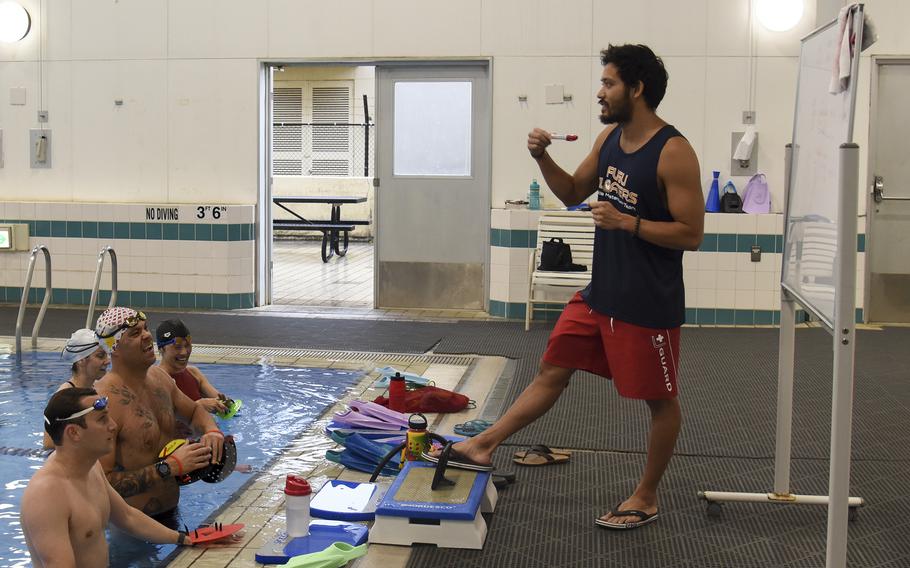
779, 15
14, 22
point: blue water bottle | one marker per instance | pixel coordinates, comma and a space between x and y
534, 195
712, 205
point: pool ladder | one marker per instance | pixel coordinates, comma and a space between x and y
48, 290
44, 303
91, 305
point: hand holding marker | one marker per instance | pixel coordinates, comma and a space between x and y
566, 137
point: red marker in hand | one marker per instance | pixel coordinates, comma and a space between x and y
566, 137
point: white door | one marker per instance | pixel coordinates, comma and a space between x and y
888, 207
433, 198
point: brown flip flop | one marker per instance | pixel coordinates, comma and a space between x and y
540, 448
534, 458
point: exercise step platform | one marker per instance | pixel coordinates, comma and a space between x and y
411, 512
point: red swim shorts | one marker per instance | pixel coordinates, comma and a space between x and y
642, 361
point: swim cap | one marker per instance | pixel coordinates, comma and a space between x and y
81, 344
169, 330
113, 322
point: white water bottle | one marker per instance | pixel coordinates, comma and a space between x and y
297, 506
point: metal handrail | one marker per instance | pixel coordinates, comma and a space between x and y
91, 304
22, 302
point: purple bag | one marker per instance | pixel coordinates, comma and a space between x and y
756, 197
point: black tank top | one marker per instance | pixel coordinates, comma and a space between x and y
633, 280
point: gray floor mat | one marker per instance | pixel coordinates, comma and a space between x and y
546, 518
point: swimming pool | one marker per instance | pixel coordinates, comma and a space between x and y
278, 404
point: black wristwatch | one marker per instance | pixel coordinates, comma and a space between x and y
163, 469
182, 538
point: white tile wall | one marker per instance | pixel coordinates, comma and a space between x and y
214, 29
670, 28
319, 29
129, 29
423, 29
517, 27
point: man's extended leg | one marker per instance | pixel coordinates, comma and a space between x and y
666, 418
533, 402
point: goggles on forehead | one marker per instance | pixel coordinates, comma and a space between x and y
131, 321
177, 341
99, 404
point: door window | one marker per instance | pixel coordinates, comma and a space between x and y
432, 128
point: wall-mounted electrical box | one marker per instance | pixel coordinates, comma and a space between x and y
748, 167
40, 148
13, 237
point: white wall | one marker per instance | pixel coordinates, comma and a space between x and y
186, 73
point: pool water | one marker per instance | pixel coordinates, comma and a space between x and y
278, 405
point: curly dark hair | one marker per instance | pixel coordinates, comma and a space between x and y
637, 63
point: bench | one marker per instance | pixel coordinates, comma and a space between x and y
331, 242
330, 229
575, 228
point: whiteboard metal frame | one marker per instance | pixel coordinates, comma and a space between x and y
842, 330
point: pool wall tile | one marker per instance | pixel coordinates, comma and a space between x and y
724, 286
74, 232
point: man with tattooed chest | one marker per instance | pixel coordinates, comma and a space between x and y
144, 402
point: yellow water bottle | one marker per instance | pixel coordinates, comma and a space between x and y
417, 440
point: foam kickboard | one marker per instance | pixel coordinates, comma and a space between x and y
346, 501
282, 548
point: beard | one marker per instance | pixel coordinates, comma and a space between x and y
618, 113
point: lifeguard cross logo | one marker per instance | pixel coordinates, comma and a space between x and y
613, 187
659, 342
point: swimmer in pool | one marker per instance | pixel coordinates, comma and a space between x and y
176, 346
68, 502
145, 403
89, 363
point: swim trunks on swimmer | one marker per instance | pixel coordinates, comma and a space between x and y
642, 361
113, 322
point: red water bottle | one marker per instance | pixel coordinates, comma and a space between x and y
397, 392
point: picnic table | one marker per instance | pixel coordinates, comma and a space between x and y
334, 231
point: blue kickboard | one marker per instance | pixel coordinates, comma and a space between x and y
346, 501
422, 510
322, 534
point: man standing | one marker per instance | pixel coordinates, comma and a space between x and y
144, 401
176, 346
625, 324
68, 502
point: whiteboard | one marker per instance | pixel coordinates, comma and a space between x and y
822, 122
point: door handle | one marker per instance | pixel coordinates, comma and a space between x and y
878, 191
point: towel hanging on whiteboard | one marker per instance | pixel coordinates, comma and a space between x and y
843, 56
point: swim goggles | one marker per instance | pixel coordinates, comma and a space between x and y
177, 341
130, 321
99, 404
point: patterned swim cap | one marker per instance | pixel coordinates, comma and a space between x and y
113, 322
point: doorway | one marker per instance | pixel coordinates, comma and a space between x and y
428, 181
887, 284
321, 148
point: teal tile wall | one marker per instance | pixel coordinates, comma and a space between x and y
148, 231
712, 242
137, 299
694, 316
